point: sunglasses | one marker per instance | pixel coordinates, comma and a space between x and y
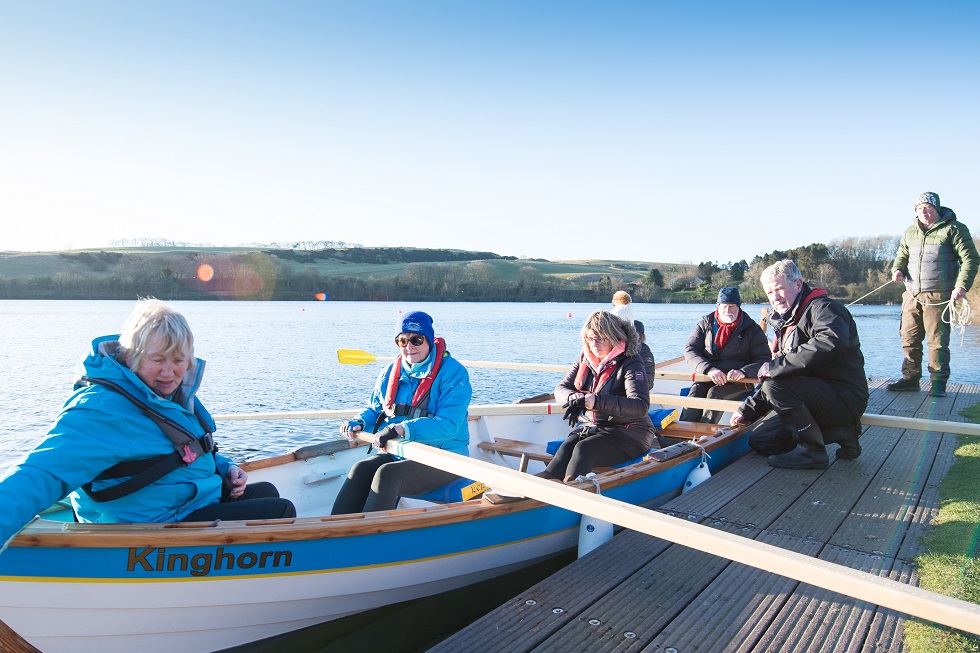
596, 339
403, 341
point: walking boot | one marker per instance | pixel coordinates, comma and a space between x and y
938, 389
810, 452
905, 385
847, 438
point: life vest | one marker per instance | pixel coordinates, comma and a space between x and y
786, 328
420, 398
142, 472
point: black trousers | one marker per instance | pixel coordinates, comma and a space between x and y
702, 389
786, 396
376, 482
259, 501
580, 453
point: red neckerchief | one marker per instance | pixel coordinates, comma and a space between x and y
725, 331
604, 371
797, 314
424, 386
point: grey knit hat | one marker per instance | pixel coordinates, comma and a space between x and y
729, 295
928, 198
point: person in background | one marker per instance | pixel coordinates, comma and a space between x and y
622, 305
814, 391
726, 345
133, 443
937, 259
423, 396
649, 363
607, 399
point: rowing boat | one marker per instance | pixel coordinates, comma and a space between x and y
191, 587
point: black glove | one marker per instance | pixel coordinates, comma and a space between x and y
384, 435
574, 408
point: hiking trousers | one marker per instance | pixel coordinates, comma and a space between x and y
922, 320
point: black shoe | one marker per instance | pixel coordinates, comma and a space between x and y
847, 438
938, 389
905, 385
803, 457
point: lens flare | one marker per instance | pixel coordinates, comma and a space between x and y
205, 272
321, 296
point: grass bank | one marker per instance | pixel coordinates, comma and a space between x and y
949, 565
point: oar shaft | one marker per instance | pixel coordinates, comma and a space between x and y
495, 410
693, 376
820, 573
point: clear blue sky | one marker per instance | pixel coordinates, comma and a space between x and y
653, 131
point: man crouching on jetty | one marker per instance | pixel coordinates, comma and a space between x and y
814, 389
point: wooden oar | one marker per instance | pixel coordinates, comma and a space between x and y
475, 411
493, 410
692, 376
360, 357
881, 591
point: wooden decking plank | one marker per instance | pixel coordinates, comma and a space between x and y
966, 396
528, 619
729, 615
879, 398
707, 498
761, 498
627, 618
928, 507
818, 620
867, 513
887, 628
880, 515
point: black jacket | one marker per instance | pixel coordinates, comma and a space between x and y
746, 350
822, 343
623, 402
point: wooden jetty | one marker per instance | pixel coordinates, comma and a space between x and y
640, 593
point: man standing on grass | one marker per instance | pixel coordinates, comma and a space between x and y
938, 261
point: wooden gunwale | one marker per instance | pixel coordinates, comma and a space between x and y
48, 533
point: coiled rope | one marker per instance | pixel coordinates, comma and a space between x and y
956, 318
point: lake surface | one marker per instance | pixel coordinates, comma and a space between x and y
277, 356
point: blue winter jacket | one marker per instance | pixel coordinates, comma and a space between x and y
449, 400
98, 428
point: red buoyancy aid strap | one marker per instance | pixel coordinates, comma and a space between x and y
813, 294
424, 386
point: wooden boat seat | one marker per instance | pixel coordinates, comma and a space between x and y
527, 451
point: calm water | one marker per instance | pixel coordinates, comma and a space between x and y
268, 356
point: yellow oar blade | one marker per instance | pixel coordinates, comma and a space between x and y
355, 357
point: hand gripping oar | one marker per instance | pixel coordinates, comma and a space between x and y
361, 357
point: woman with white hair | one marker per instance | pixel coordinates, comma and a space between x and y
133, 443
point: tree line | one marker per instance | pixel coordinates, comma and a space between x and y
848, 269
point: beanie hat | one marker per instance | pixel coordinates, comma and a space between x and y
418, 322
729, 295
623, 312
638, 326
928, 198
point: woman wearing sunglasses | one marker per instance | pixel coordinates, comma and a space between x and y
421, 397
607, 398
